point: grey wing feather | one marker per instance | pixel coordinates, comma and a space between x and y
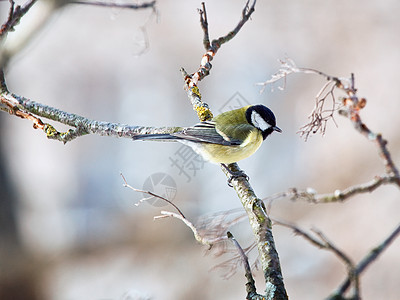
205, 132
155, 136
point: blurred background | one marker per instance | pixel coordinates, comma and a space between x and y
73, 229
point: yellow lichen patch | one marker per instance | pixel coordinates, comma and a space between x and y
50, 130
204, 113
196, 91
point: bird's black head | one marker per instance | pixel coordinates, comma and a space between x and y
263, 119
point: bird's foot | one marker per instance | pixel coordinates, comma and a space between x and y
234, 174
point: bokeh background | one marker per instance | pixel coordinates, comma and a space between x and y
79, 232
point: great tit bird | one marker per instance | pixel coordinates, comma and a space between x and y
228, 137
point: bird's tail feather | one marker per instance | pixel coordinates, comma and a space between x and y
156, 137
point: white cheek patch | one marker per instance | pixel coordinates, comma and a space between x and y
258, 121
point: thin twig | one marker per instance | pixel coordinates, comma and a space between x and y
14, 16
204, 26
10, 48
319, 116
330, 246
205, 65
202, 108
201, 239
311, 195
150, 194
250, 285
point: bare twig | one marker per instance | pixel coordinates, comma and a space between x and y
10, 48
350, 107
202, 109
215, 44
250, 285
200, 238
311, 195
14, 16
320, 115
322, 242
204, 26
151, 194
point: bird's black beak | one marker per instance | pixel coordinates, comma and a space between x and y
276, 128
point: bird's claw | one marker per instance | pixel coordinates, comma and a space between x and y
234, 174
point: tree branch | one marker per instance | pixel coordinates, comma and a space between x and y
259, 220
262, 229
28, 109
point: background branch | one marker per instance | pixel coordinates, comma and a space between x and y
364, 263
150, 4
350, 108
312, 196
354, 271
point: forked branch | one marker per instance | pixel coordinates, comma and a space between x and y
254, 207
353, 271
191, 80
